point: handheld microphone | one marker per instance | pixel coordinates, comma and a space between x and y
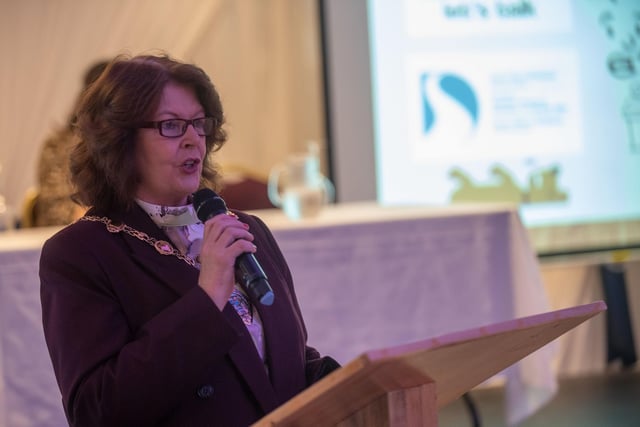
249, 273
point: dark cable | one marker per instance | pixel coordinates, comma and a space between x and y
473, 411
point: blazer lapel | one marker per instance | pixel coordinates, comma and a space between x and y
245, 356
168, 269
279, 329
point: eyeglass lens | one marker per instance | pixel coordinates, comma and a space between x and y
178, 127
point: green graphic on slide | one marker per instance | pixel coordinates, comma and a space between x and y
623, 31
543, 187
631, 114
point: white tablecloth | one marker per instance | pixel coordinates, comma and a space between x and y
366, 277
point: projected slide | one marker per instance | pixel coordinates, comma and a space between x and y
535, 102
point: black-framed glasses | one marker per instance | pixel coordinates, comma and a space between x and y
174, 128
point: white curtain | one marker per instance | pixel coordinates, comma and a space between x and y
263, 56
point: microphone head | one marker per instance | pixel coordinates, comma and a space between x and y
208, 204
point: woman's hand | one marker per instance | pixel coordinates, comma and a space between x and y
225, 238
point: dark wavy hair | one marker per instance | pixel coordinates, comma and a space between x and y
127, 93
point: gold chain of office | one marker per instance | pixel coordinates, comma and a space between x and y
162, 246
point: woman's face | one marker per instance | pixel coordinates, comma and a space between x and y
170, 168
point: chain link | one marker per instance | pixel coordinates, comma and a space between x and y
162, 246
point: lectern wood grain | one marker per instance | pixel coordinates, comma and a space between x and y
447, 366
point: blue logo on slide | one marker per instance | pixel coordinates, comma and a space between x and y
453, 88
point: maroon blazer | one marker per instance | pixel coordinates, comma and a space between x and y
135, 341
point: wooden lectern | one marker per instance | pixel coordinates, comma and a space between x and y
407, 384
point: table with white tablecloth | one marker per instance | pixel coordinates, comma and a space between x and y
366, 277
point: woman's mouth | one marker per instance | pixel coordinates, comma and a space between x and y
190, 165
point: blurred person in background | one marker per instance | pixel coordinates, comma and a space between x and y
53, 205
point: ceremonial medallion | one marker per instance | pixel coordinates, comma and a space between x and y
163, 247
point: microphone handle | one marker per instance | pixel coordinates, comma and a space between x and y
250, 275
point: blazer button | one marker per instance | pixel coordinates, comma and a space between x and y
205, 391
